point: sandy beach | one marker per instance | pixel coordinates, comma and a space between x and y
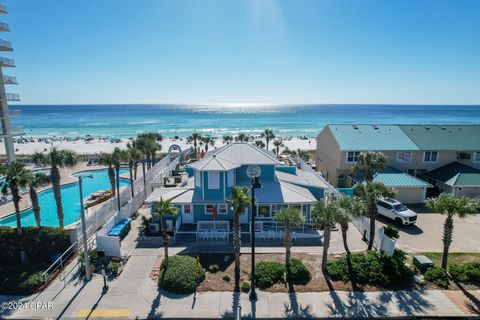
88, 145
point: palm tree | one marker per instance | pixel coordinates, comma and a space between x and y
208, 141
268, 135
142, 148
132, 157
118, 157
35, 181
195, 137
56, 159
260, 144
241, 137
164, 209
450, 206
289, 217
370, 193
277, 144
16, 178
106, 159
348, 208
227, 139
239, 203
325, 216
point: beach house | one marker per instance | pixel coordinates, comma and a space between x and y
421, 159
203, 198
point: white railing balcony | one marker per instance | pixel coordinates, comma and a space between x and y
5, 62
3, 8
10, 97
12, 114
9, 80
5, 45
4, 26
13, 131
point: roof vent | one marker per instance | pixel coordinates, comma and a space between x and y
443, 128
375, 127
355, 127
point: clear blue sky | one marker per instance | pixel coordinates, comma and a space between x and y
245, 51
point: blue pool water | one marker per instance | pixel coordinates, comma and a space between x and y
70, 200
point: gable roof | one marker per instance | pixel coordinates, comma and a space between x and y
392, 177
456, 174
367, 137
233, 156
444, 137
303, 178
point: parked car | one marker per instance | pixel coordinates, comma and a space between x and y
396, 211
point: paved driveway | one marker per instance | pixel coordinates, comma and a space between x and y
426, 235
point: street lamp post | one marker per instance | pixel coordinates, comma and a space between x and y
84, 228
254, 173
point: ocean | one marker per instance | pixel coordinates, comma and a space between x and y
217, 120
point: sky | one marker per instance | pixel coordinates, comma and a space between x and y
245, 51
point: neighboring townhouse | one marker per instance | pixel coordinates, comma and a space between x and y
412, 151
211, 179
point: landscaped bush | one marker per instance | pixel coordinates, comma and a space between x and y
391, 232
372, 268
299, 272
245, 286
41, 244
182, 275
438, 276
21, 279
466, 272
267, 273
213, 268
226, 277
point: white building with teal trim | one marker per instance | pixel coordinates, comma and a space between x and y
212, 178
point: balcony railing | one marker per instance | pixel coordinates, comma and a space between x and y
3, 8
10, 97
12, 114
9, 80
4, 26
5, 45
13, 131
5, 62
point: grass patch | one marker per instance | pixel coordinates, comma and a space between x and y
453, 258
21, 279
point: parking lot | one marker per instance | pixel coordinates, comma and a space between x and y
426, 235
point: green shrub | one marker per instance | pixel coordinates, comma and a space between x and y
466, 272
213, 268
226, 277
21, 279
267, 273
32, 282
438, 276
372, 268
299, 272
181, 276
391, 232
245, 286
114, 266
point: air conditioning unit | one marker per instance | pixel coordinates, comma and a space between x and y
154, 228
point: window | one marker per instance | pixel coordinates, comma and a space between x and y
197, 178
430, 156
464, 156
209, 208
352, 156
263, 211
231, 178
296, 206
384, 205
476, 158
222, 209
187, 209
213, 180
404, 156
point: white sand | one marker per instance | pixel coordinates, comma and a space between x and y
97, 146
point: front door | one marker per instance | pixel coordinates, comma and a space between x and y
187, 214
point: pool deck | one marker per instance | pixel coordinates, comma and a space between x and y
65, 178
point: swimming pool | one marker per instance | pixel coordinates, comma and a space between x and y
70, 200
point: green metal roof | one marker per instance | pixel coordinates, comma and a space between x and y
456, 175
444, 137
392, 177
367, 137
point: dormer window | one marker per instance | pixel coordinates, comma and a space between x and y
352, 156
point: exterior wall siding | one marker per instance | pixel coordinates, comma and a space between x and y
327, 157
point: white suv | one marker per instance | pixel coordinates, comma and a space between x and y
396, 211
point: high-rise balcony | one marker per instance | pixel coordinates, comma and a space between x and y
12, 131
9, 80
10, 97
5, 45
12, 114
4, 27
5, 62
3, 8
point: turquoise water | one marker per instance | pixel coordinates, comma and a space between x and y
216, 120
70, 200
